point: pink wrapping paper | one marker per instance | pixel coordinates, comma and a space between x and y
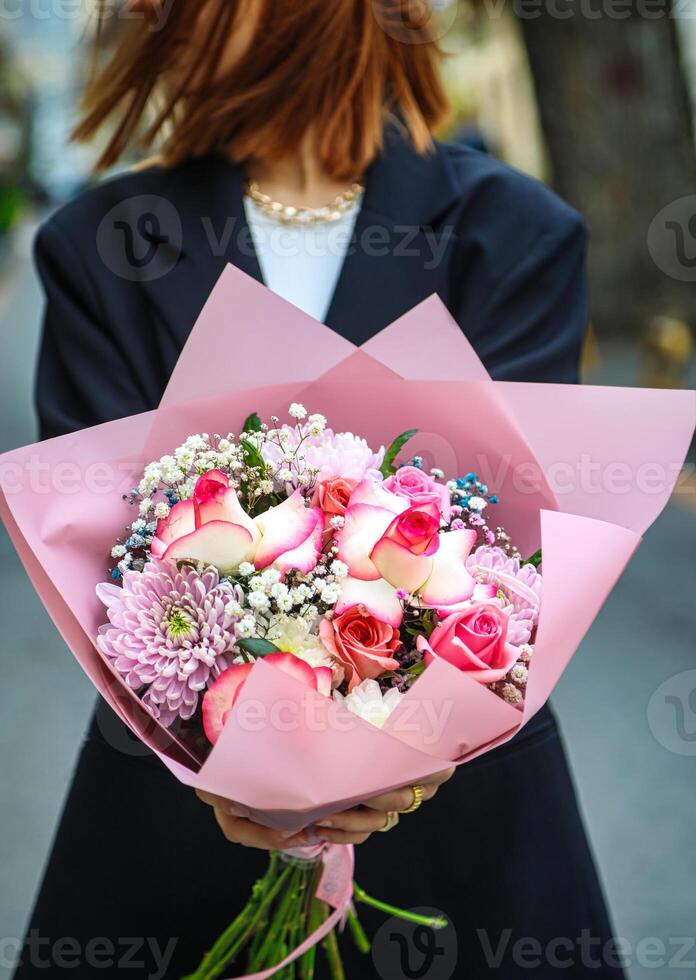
580, 471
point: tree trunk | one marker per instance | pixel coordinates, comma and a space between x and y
617, 121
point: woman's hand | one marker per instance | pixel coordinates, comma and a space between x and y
356, 825
235, 824
352, 826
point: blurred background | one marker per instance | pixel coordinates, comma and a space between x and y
596, 97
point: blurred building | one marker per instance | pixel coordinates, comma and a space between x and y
46, 49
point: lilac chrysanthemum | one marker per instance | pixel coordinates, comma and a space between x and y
330, 453
169, 631
519, 583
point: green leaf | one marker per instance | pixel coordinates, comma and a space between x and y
387, 467
257, 647
252, 423
416, 669
535, 559
252, 457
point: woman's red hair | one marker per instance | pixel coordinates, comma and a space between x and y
339, 67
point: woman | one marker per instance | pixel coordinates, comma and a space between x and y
263, 102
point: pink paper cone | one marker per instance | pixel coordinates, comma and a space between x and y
419, 372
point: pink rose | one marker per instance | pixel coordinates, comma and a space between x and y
419, 488
333, 495
362, 644
214, 528
223, 693
473, 640
385, 538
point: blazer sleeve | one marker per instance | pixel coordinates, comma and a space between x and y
82, 377
533, 326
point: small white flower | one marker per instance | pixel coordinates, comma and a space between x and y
303, 479
329, 595
145, 507
367, 701
124, 564
233, 608
173, 474
337, 522
437, 473
477, 503
284, 603
246, 569
162, 510
285, 475
148, 485
270, 577
245, 627
297, 411
224, 445
185, 489
257, 584
196, 442
317, 424
339, 569
452, 486
118, 551
279, 590
519, 674
259, 600
292, 635
266, 486
184, 457
300, 595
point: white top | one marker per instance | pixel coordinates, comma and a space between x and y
301, 263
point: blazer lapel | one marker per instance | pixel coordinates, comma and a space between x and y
397, 256
207, 195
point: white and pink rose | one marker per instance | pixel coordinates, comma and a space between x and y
213, 528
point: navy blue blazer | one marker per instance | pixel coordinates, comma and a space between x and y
128, 266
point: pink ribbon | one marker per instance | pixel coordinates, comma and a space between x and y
336, 889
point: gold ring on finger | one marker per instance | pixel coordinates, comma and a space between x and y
392, 821
418, 792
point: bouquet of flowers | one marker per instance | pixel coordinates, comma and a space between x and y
374, 598
310, 550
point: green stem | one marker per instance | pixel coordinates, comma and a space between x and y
277, 930
314, 916
357, 932
297, 926
330, 944
437, 922
236, 937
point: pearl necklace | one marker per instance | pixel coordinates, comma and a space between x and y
289, 215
